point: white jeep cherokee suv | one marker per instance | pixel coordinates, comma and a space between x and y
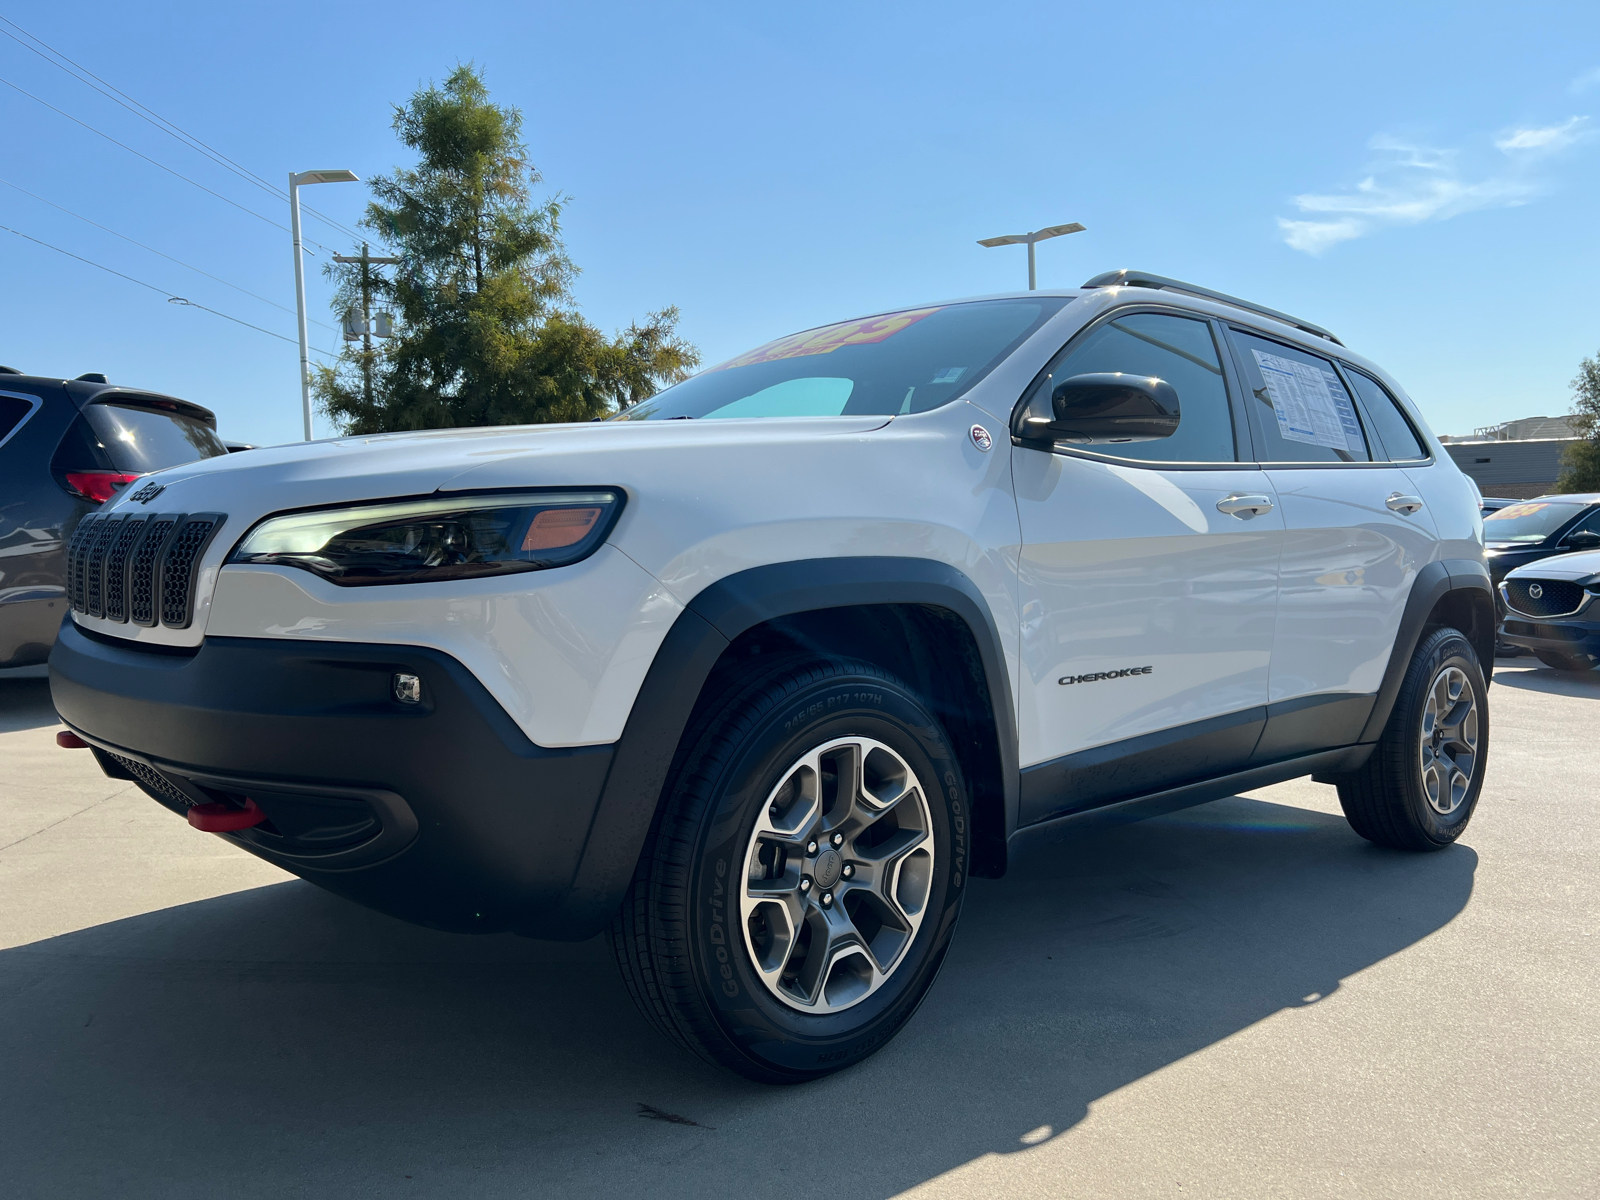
757, 674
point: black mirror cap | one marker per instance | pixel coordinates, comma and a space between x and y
1113, 406
1585, 539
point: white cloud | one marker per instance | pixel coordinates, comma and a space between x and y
1585, 81
1550, 137
1409, 184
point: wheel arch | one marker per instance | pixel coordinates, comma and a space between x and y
1453, 592
917, 617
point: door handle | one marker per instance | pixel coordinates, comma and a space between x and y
1404, 504
1244, 507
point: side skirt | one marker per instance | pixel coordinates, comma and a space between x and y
1032, 837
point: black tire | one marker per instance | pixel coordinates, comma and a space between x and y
678, 939
1385, 800
1561, 662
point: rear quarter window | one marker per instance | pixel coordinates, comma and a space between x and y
14, 410
1393, 429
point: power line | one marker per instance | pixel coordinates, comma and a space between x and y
145, 113
163, 254
171, 297
148, 159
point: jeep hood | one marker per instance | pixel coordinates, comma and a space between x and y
253, 483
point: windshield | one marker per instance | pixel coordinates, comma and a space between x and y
901, 362
1530, 522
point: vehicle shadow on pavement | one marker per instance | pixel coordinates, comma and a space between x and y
281, 1041
1530, 678
25, 704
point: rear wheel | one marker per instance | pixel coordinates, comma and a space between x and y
1419, 788
1562, 662
802, 881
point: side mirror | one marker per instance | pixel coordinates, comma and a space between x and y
1110, 406
1584, 539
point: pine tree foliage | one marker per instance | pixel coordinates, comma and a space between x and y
487, 331
1580, 464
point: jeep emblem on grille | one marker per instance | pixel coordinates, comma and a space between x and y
1534, 591
148, 492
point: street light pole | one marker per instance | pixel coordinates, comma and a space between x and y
1032, 239
295, 180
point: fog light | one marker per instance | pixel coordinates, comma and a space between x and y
408, 689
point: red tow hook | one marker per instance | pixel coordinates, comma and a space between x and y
68, 740
223, 818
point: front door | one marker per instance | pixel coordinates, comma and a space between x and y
1148, 580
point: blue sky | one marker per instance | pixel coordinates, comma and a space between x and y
1420, 178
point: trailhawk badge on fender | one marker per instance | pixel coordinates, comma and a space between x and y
981, 438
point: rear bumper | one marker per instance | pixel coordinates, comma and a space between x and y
1574, 639
442, 813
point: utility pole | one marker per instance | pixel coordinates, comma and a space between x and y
367, 263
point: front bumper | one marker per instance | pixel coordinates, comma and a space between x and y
1567, 637
442, 813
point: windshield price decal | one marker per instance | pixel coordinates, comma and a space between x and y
830, 337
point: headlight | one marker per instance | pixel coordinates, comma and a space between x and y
457, 537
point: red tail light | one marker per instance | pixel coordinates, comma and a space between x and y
98, 486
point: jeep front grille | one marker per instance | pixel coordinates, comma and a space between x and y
1543, 597
137, 567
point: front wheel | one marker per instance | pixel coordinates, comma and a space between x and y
802, 880
1419, 788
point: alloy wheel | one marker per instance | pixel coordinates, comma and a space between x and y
1449, 741
837, 875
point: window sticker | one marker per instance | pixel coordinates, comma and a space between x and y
830, 337
948, 375
1310, 403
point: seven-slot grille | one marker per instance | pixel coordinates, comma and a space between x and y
1543, 597
137, 567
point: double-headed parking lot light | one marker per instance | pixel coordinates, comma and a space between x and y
1030, 239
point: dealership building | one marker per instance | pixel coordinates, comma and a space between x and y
1517, 459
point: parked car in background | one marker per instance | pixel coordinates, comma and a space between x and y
1551, 610
1489, 504
1528, 530
66, 447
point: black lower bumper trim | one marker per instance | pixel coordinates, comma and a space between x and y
442, 813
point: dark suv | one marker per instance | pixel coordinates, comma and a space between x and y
66, 447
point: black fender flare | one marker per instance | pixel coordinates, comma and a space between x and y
1435, 581
708, 626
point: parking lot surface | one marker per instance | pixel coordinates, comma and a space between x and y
1243, 999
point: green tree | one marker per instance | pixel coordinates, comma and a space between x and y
1580, 462
487, 331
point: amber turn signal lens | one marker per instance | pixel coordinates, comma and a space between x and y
557, 527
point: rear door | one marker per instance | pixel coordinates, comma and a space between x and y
1148, 578
1355, 536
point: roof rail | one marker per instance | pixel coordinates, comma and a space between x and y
1127, 278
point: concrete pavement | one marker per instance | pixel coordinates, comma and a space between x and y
1239, 1000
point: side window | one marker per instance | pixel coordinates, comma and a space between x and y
1388, 421
1589, 524
1179, 350
1297, 403
13, 409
